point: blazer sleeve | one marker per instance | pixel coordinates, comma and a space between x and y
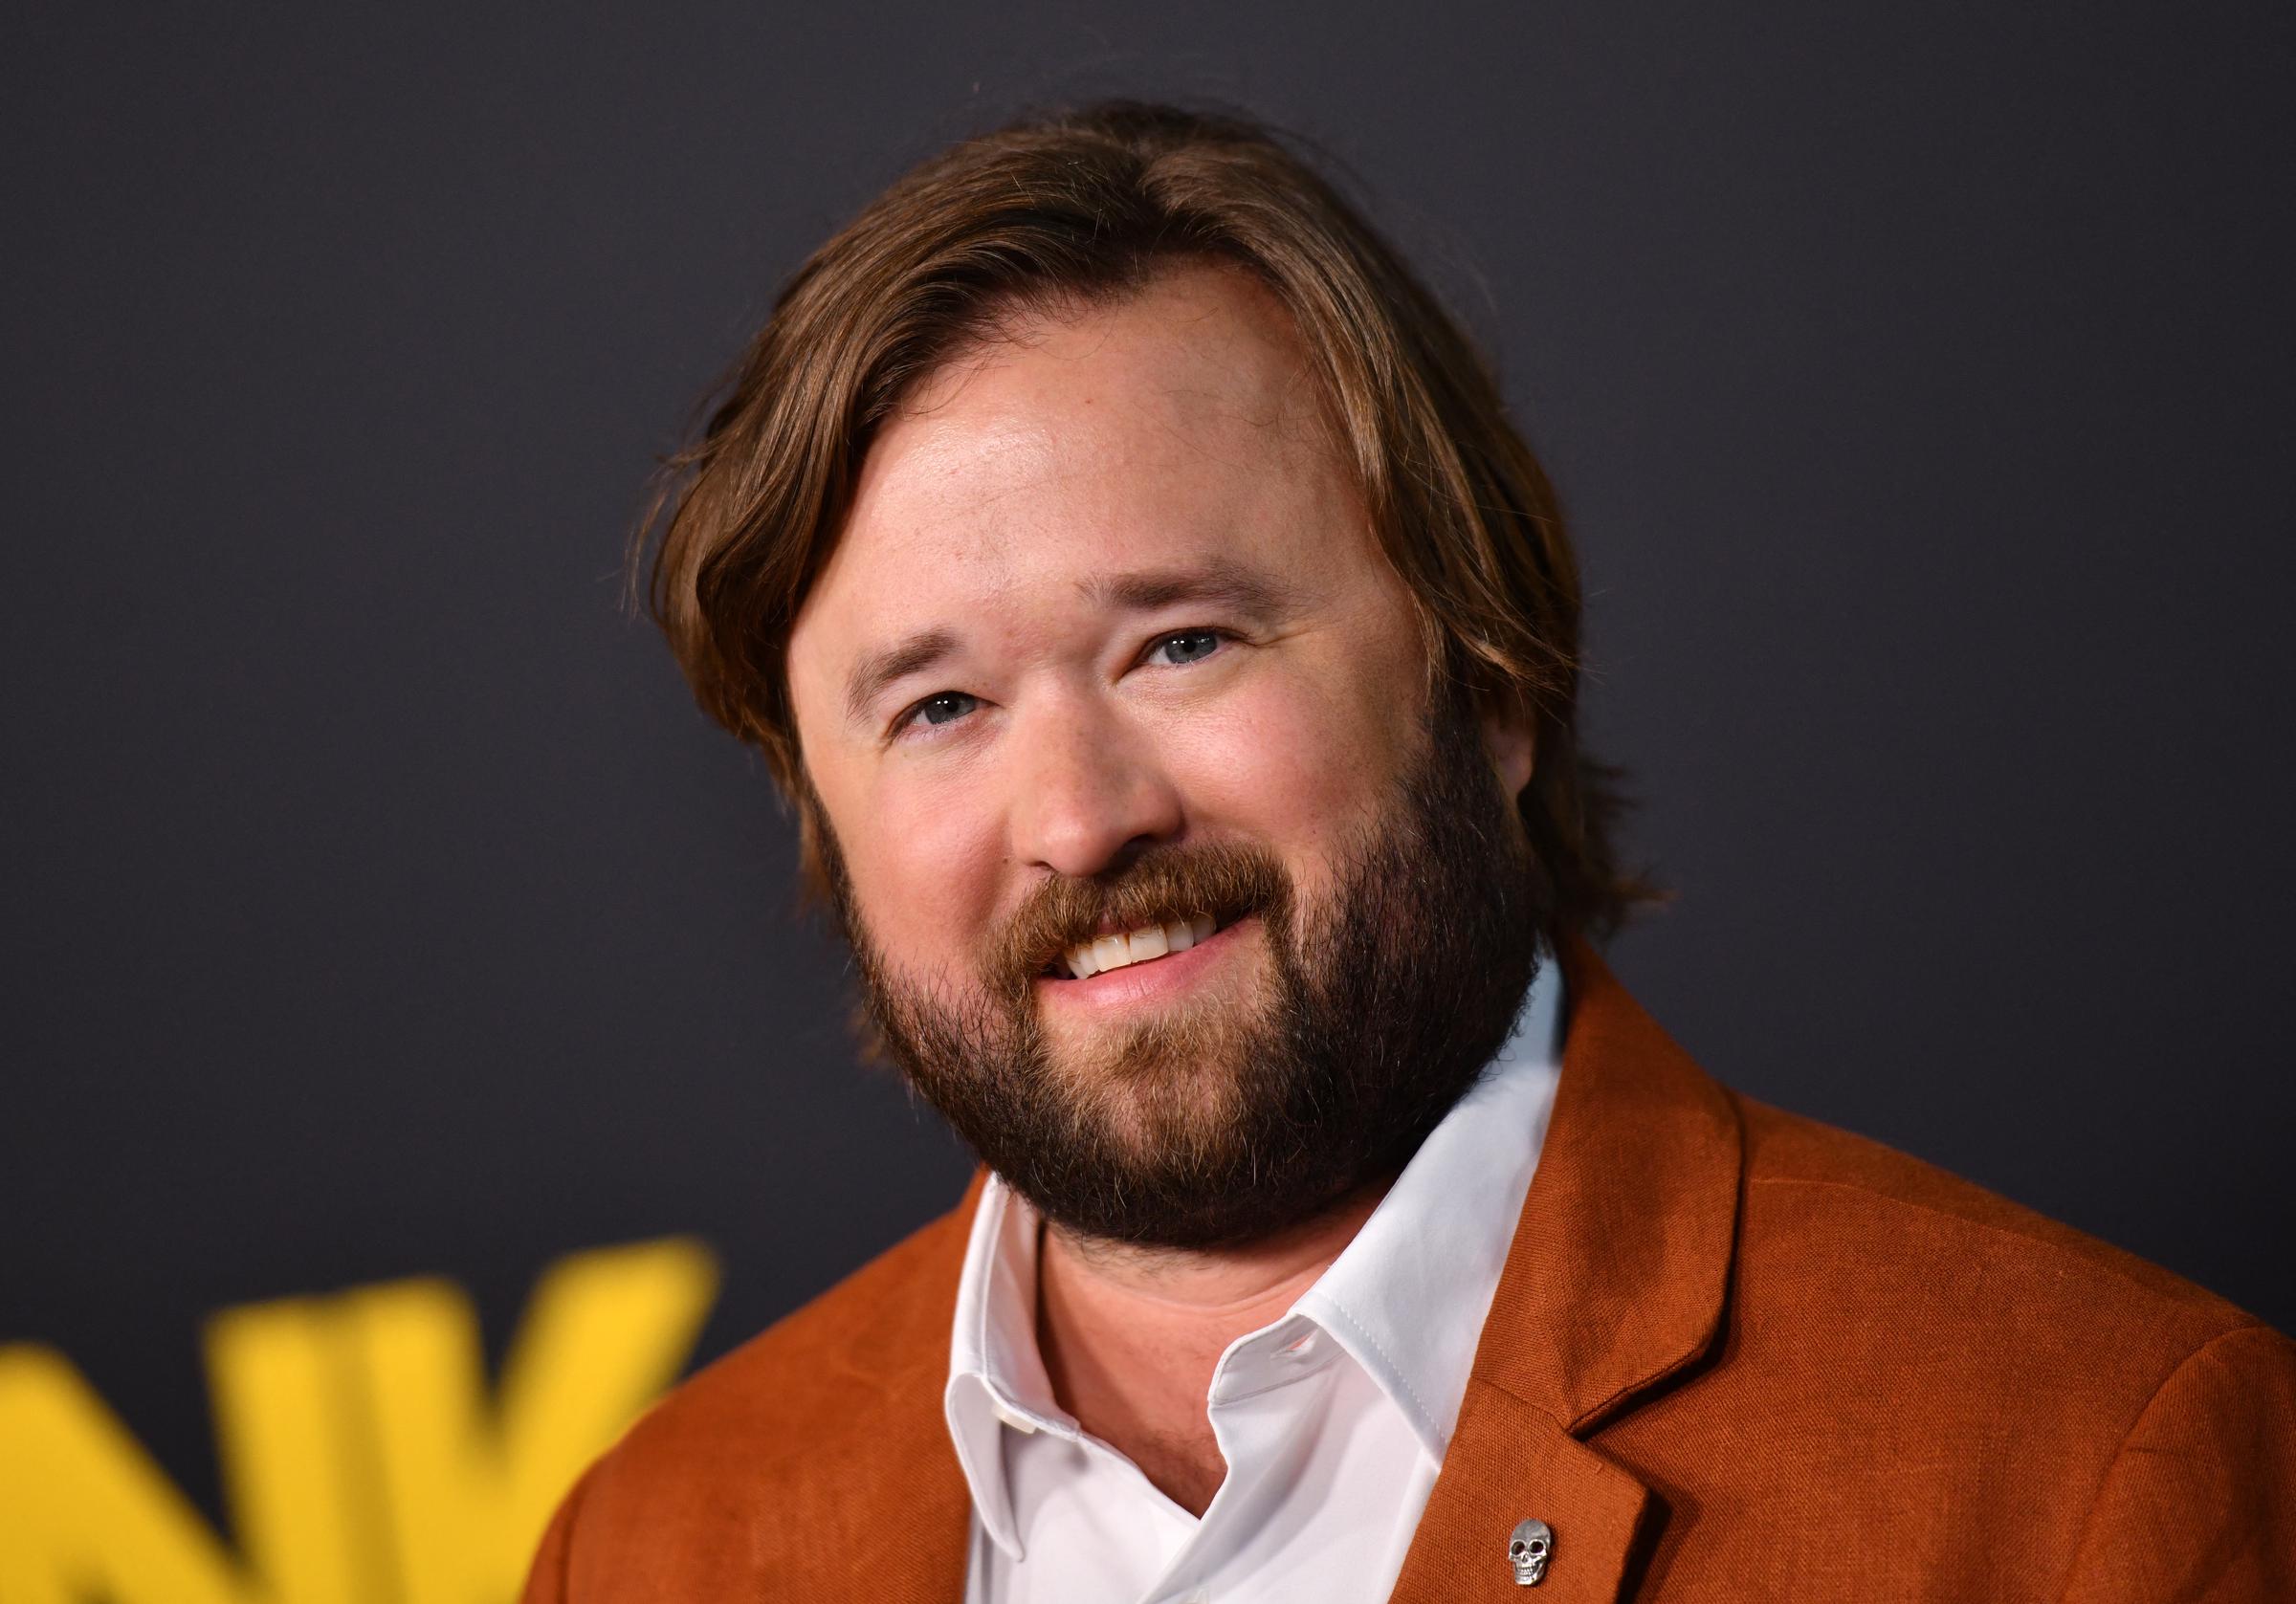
2199, 1504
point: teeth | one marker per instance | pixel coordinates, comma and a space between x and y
1102, 953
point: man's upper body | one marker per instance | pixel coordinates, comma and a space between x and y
1732, 1353
1172, 649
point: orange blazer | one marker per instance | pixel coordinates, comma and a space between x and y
1734, 1355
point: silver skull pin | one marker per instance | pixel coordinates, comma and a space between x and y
1529, 1551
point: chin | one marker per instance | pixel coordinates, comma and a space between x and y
1171, 1077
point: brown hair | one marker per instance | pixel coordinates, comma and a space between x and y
1083, 205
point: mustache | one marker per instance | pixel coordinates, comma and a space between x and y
1228, 880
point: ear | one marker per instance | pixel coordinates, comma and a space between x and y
1511, 741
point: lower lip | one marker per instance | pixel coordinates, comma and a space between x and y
1152, 981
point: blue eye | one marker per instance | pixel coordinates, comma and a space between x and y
1188, 646
944, 707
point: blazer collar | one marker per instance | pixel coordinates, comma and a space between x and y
1622, 1256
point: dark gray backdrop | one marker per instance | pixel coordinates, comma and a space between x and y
376, 903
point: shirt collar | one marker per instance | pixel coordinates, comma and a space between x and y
997, 1378
1407, 1298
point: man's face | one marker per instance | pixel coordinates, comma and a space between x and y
1106, 651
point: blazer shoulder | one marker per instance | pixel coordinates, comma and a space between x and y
767, 1472
782, 1400
1822, 1182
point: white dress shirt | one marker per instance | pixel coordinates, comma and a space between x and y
1332, 1421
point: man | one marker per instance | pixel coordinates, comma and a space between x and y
1170, 649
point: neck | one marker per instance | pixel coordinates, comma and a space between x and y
1131, 1335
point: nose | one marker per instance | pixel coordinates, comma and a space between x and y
1088, 791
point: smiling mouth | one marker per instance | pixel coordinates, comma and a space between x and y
1145, 945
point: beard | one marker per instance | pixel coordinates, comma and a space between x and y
1222, 1120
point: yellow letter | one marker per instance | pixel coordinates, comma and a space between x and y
84, 1513
363, 1462
467, 1489
288, 1415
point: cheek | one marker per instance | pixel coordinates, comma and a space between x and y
924, 861
1303, 763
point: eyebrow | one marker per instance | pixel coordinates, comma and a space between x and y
880, 668
1218, 580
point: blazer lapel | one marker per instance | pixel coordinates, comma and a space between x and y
1615, 1282
887, 1508
914, 1496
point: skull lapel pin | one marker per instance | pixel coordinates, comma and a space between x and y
1529, 1551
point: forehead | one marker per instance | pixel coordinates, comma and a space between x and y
1181, 422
